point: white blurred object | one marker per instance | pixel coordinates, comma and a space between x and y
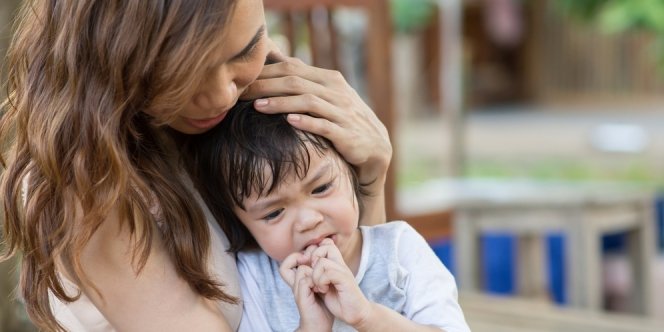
620, 138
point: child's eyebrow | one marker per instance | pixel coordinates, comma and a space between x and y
263, 204
324, 169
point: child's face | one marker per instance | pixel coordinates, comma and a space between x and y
302, 212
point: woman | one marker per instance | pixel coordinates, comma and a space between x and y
112, 235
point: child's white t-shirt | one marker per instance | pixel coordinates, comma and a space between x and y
397, 269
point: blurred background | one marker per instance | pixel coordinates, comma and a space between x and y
486, 95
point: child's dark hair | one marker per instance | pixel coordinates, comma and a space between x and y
227, 163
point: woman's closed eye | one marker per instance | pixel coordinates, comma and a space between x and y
273, 215
248, 54
249, 51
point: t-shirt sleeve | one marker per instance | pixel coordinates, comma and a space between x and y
253, 313
432, 296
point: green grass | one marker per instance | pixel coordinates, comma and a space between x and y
635, 171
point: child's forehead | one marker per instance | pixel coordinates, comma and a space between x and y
325, 159
320, 163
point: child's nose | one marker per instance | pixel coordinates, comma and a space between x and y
308, 219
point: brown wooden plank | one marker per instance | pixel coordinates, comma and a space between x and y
432, 226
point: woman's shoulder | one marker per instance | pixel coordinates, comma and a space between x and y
130, 289
80, 315
147, 294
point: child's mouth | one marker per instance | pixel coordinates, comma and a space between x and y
318, 240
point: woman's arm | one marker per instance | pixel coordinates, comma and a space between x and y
322, 102
156, 299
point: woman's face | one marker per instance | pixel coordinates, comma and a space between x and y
235, 65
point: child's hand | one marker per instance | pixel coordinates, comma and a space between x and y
288, 267
313, 314
335, 282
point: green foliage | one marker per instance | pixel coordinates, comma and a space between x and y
584, 9
620, 15
411, 15
616, 16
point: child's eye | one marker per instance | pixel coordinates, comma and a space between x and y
322, 189
273, 215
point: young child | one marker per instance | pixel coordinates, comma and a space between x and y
289, 204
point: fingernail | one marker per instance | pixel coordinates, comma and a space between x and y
260, 102
294, 117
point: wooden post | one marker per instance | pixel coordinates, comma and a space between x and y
452, 82
379, 38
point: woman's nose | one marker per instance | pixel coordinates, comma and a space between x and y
217, 95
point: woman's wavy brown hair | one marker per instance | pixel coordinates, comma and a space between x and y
77, 143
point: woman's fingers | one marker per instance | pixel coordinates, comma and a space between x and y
340, 116
356, 144
292, 77
291, 85
290, 66
274, 54
305, 104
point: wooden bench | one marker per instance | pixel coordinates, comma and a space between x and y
486, 313
583, 212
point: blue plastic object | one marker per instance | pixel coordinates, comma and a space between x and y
659, 213
499, 267
499, 251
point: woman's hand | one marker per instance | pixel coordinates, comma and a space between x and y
327, 106
322, 102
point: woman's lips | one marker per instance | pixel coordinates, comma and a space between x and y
206, 123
